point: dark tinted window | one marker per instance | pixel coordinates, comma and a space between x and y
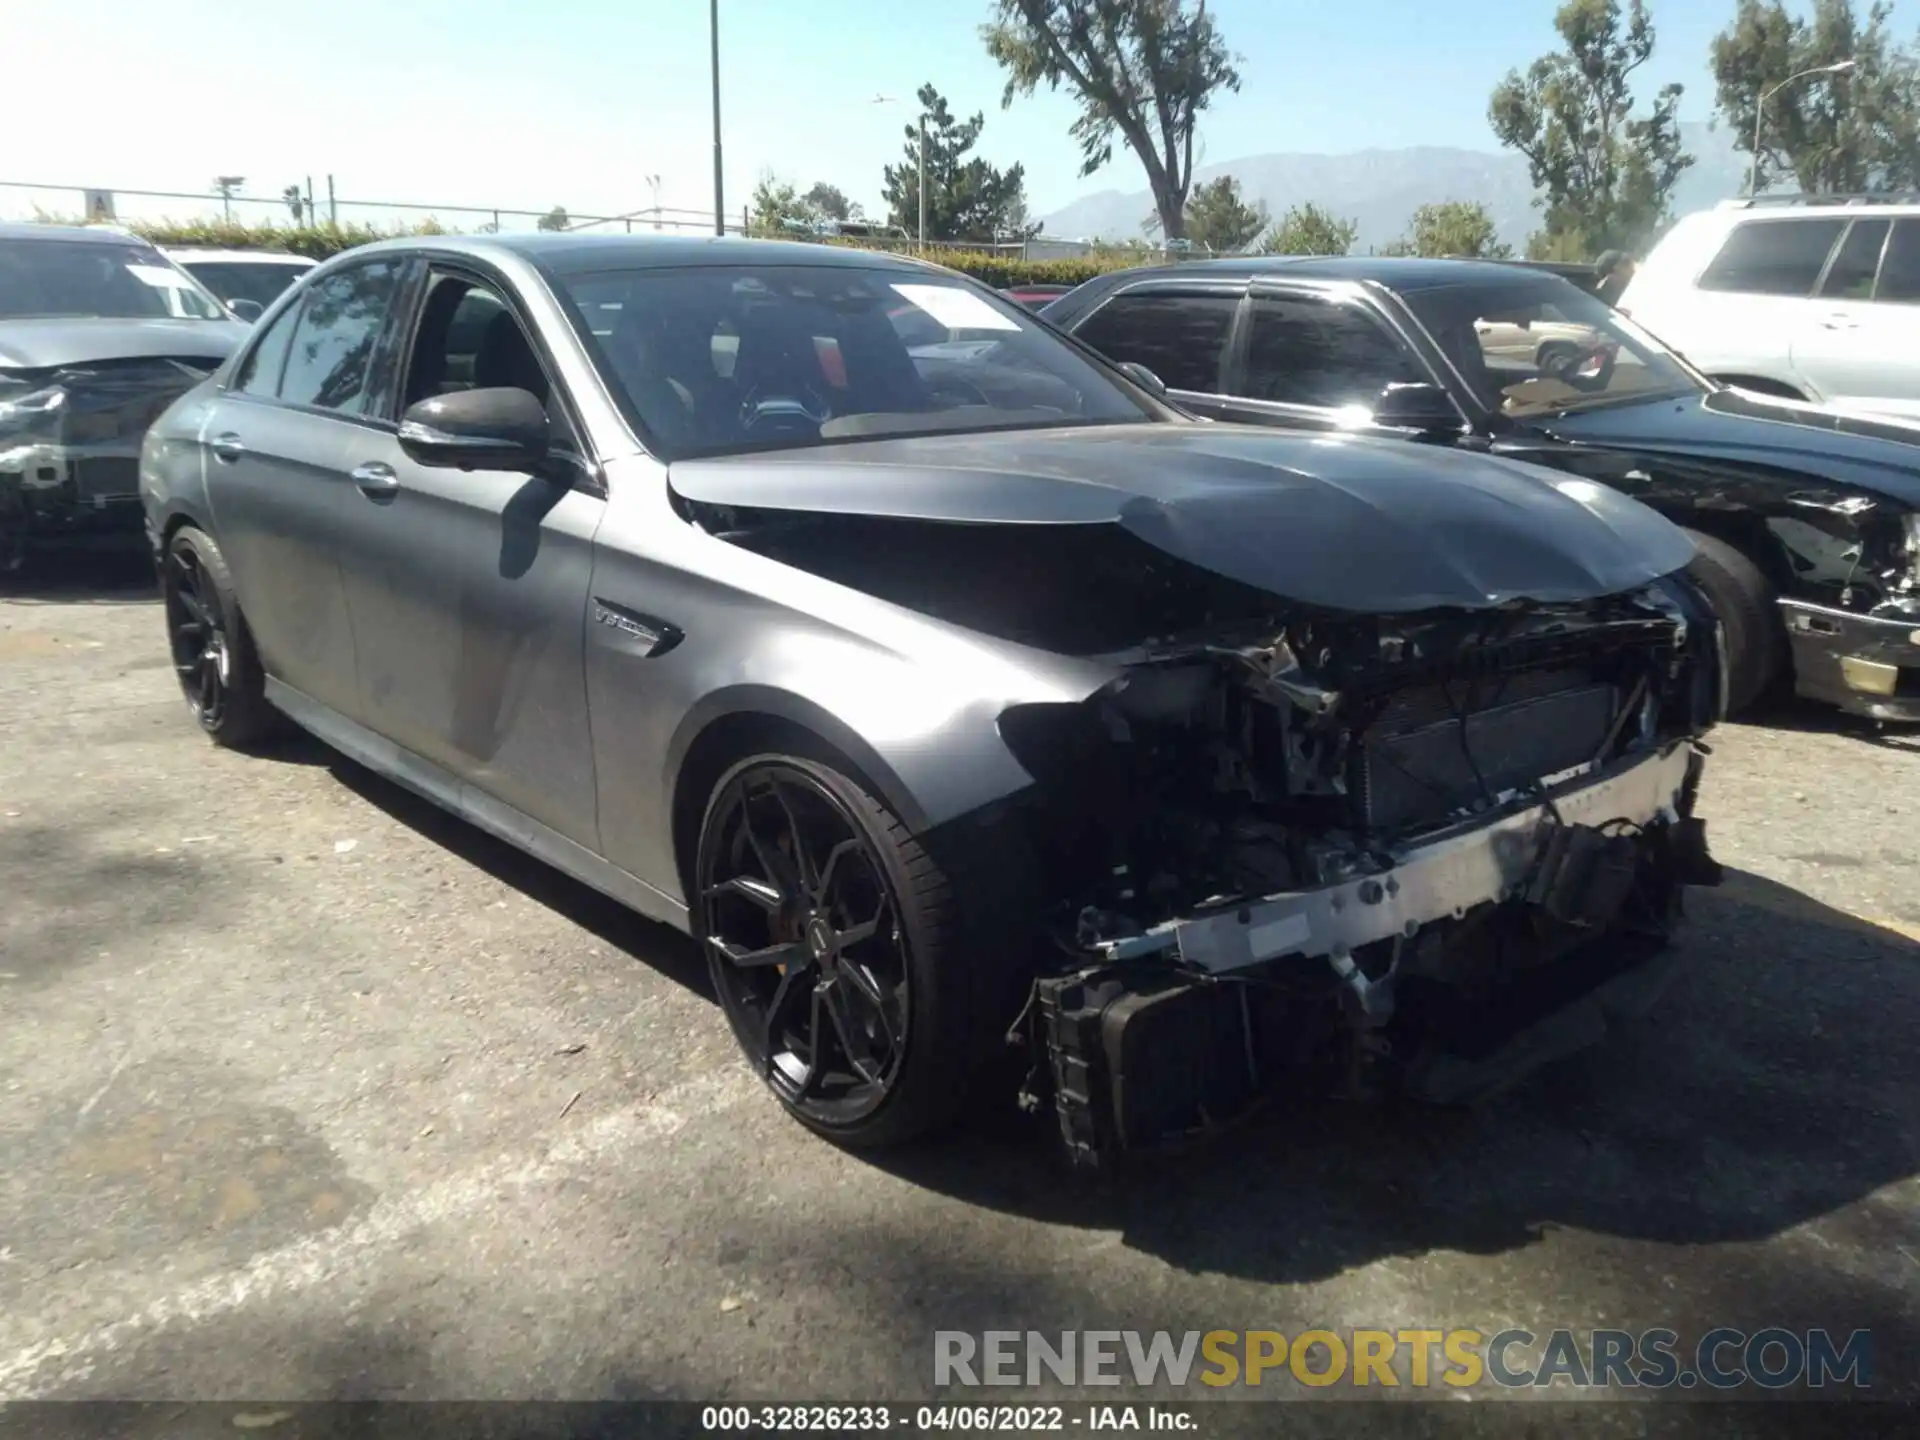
262, 283
333, 345
259, 373
1850, 277
1181, 338
1900, 269
1773, 257
1314, 352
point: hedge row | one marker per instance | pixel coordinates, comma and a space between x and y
321, 241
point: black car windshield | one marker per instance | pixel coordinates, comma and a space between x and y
97, 279
260, 281
712, 360
1537, 347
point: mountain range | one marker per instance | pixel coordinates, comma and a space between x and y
1380, 189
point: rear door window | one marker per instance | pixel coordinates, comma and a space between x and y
1850, 277
1182, 338
1309, 351
1900, 267
1773, 257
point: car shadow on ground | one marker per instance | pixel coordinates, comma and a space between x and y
671, 953
1794, 715
117, 575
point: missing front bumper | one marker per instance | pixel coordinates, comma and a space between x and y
1488, 931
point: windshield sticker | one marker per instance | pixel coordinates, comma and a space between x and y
955, 308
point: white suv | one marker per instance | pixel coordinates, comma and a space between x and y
1819, 302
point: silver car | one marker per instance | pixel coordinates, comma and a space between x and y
966, 718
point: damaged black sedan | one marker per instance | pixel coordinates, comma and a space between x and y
964, 701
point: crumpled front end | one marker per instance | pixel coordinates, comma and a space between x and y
1420, 852
70, 446
1856, 639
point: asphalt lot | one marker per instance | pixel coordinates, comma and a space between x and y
307, 1091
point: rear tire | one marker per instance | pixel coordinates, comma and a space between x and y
213, 654
849, 982
1743, 598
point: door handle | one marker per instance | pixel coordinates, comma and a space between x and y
375, 478
227, 447
1840, 322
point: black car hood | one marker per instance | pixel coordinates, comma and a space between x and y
1340, 522
56, 343
1869, 452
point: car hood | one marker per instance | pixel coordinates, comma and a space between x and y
56, 343
1339, 522
1869, 452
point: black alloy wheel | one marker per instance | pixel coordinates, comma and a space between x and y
801, 915
196, 629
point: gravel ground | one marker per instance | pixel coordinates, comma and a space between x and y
307, 1091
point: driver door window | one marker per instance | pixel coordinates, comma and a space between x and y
1308, 351
468, 339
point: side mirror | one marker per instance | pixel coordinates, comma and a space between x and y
492, 429
247, 310
1144, 378
1417, 406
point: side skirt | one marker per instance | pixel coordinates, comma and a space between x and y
431, 782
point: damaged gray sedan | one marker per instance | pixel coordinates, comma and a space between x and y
967, 704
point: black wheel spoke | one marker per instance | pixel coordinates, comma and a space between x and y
766, 895
196, 612
810, 1081
809, 876
831, 869
789, 952
792, 983
854, 1043
209, 682
779, 872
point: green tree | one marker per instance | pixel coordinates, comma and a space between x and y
778, 210
1309, 230
967, 199
830, 201
1604, 175
1220, 221
1460, 228
1141, 70
554, 219
1848, 132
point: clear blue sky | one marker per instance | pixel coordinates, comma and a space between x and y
575, 102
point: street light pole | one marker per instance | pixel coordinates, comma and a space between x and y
1839, 67
923, 180
719, 198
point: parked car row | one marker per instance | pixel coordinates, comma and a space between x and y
1247, 673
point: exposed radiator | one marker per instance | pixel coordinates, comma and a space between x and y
1418, 761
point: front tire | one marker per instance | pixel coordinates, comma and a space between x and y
1743, 598
835, 946
213, 653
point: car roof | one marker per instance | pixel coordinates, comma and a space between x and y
1396, 272
85, 234
251, 257
574, 253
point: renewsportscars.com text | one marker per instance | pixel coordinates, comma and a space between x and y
1720, 1359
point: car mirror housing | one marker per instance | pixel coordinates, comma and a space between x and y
247, 310
1143, 377
488, 429
1417, 406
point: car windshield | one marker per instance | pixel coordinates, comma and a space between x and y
97, 279
1540, 347
713, 360
260, 281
